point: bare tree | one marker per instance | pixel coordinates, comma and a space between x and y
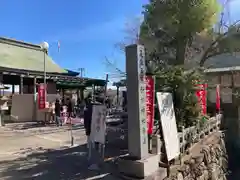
131, 31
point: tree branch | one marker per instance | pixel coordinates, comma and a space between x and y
213, 44
114, 67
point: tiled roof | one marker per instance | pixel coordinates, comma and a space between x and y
223, 61
25, 56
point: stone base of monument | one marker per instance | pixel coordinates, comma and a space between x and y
139, 169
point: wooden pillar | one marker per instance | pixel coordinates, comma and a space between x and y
34, 99
82, 94
117, 95
93, 92
13, 89
1, 81
21, 85
63, 92
1, 78
78, 91
233, 90
63, 96
29, 89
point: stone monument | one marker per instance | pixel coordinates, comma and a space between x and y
136, 94
139, 163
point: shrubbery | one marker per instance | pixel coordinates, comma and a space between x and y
183, 86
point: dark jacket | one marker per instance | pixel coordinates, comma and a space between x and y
70, 107
88, 118
58, 109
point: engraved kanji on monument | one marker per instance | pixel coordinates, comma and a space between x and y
136, 93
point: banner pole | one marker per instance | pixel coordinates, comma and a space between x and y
72, 138
89, 150
105, 90
104, 102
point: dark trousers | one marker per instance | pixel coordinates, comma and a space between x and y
58, 120
70, 114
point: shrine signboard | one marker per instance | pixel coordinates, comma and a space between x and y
169, 125
218, 99
41, 96
98, 124
202, 97
150, 98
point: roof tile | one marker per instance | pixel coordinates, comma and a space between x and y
18, 55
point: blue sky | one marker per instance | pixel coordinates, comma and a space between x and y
87, 29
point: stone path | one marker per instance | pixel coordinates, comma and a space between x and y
44, 153
63, 164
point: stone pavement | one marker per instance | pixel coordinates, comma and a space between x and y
14, 141
45, 153
66, 164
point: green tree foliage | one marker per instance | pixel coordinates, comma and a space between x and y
174, 23
183, 85
181, 31
177, 32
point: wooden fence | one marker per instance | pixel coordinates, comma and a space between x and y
193, 134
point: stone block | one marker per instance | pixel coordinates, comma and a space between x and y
140, 168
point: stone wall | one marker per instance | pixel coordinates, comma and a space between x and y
210, 164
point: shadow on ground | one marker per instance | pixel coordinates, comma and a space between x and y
24, 126
65, 164
34, 125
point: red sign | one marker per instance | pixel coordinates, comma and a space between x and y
202, 97
41, 96
150, 87
218, 98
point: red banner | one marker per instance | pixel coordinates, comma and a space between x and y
150, 88
202, 97
41, 96
218, 106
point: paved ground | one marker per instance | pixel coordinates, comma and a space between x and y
30, 152
64, 164
48, 138
44, 153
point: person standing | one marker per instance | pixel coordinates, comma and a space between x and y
69, 107
88, 118
58, 109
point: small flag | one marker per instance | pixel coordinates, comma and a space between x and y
58, 46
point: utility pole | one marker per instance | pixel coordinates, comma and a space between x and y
82, 71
